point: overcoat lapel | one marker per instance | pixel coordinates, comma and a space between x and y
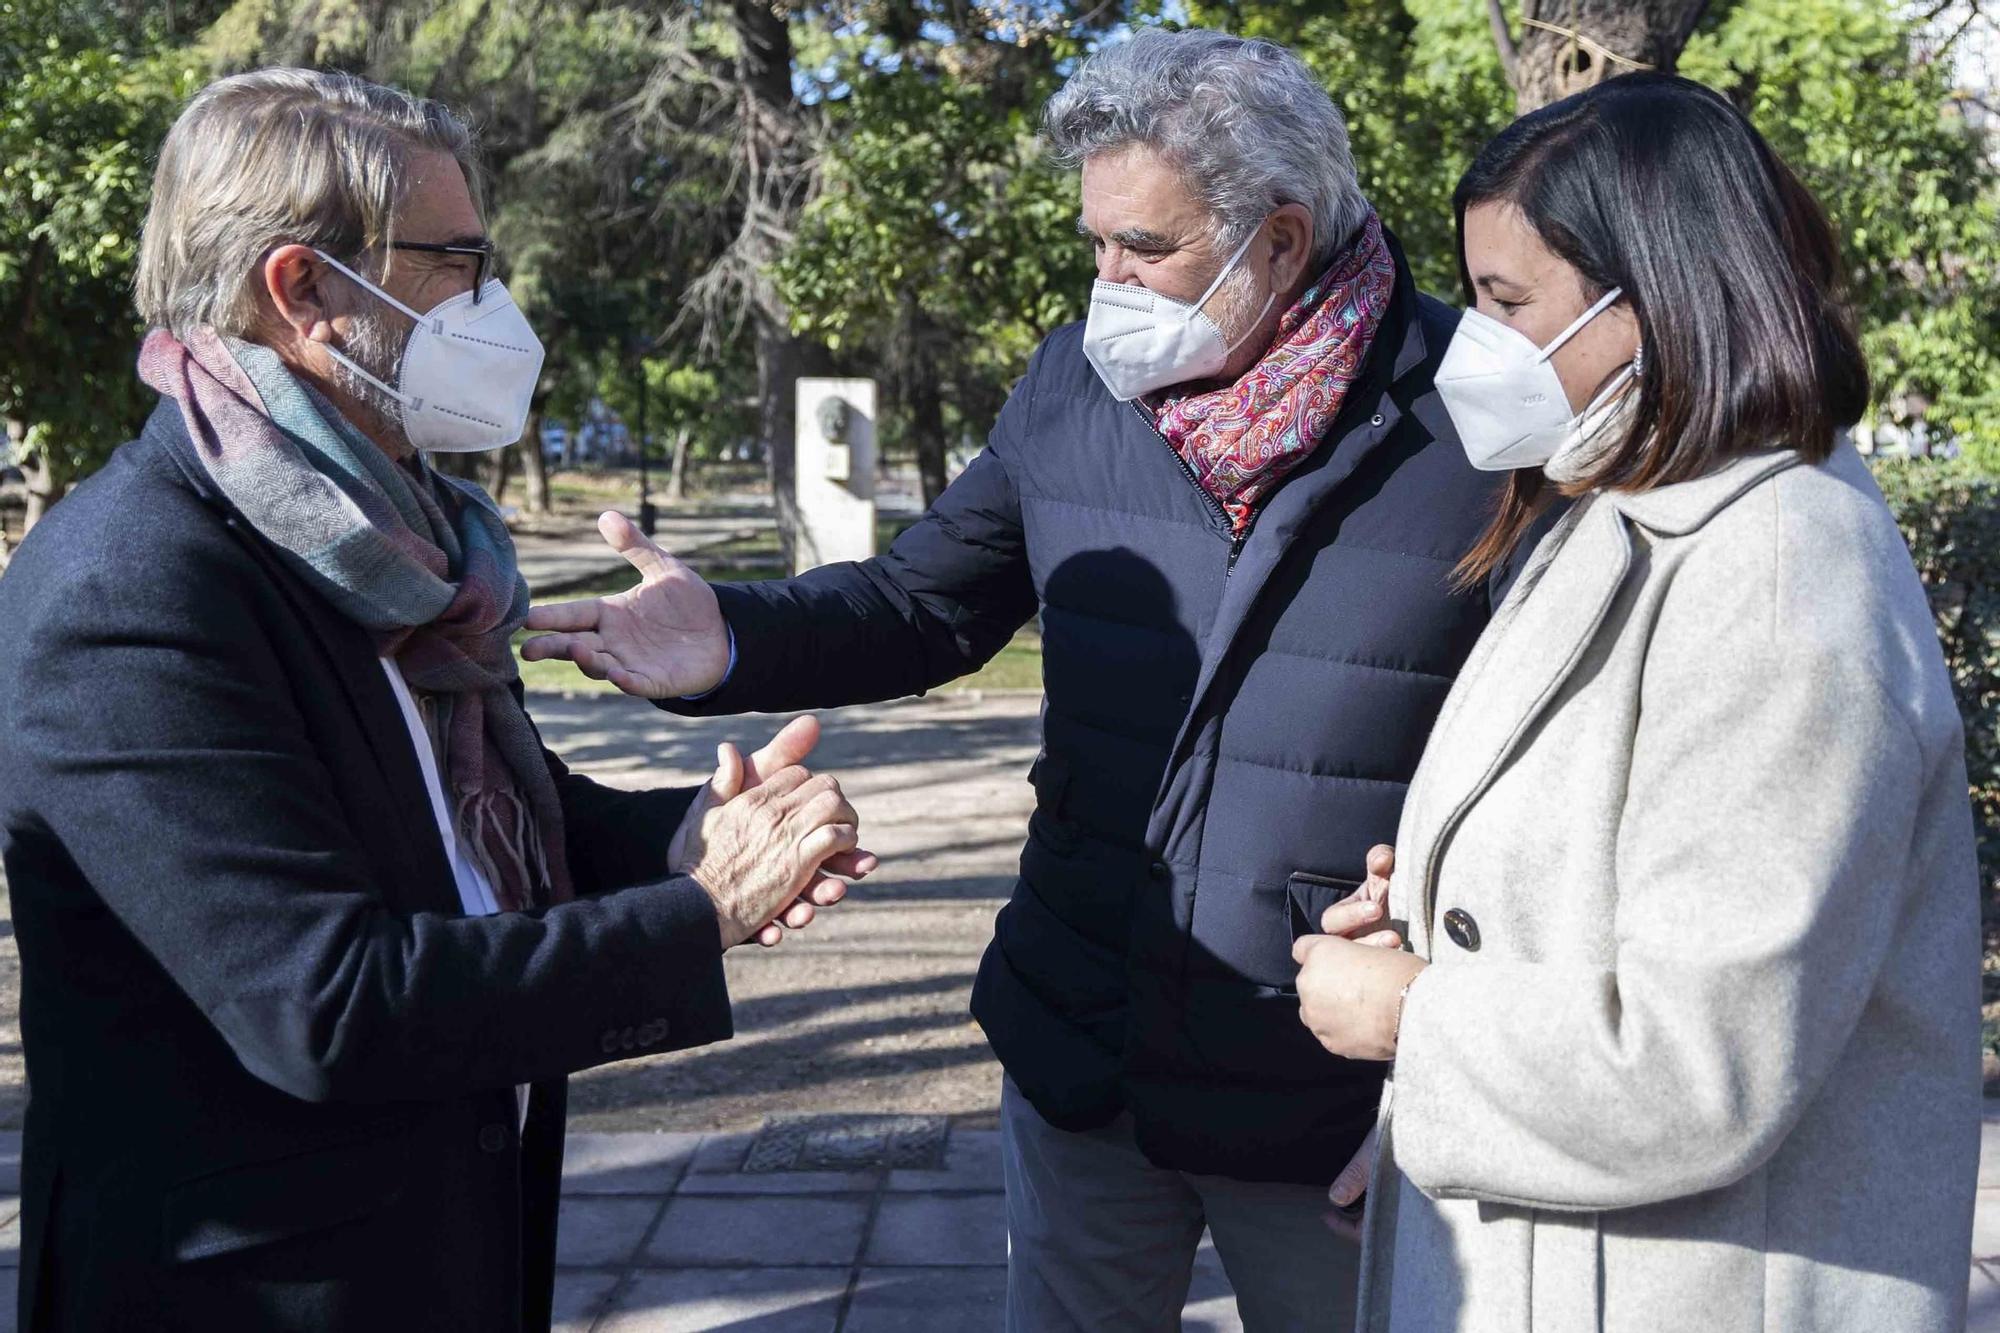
379, 717
1526, 655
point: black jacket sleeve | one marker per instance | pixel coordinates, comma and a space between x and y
947, 596
172, 761
615, 838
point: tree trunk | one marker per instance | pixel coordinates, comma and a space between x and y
781, 362
677, 475
926, 406
536, 476
777, 177
45, 487
500, 470
1566, 46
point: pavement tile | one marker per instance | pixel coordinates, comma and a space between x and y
1211, 1302
1986, 1225
722, 1152
780, 1182
926, 1300
599, 1233
10, 1233
971, 1162
751, 1229
940, 1229
9, 1298
1989, 1145
10, 1162
580, 1297
741, 1300
1982, 1301
626, 1163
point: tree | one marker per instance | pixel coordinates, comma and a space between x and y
1566, 46
942, 246
80, 111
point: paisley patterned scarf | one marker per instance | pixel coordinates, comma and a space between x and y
424, 563
1241, 441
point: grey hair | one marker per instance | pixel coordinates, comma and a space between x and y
274, 157
1243, 121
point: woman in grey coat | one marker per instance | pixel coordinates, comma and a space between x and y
1686, 1034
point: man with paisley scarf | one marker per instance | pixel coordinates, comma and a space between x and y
1234, 501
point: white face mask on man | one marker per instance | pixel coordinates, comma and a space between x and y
468, 372
1507, 400
1140, 341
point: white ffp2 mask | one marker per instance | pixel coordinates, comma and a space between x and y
468, 372
1140, 341
1506, 399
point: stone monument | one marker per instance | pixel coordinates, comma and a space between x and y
835, 472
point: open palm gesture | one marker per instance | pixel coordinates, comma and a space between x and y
663, 639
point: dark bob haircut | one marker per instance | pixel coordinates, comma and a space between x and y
1658, 185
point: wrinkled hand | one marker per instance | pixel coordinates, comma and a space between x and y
789, 748
767, 852
664, 639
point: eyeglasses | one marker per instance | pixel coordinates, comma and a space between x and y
483, 251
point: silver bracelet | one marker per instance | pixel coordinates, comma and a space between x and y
1396, 1036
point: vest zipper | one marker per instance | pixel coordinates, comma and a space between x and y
1236, 540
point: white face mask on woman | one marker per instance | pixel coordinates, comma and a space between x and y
469, 370
1506, 399
1140, 341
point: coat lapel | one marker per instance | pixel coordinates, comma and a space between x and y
1370, 416
1532, 648
350, 650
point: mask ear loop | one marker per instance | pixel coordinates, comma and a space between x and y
1604, 303
409, 403
1216, 286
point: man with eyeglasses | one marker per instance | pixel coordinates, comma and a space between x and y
312, 927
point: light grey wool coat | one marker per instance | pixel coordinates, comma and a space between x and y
1713, 1063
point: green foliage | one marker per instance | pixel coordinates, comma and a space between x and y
79, 117
1843, 94
942, 244
1950, 515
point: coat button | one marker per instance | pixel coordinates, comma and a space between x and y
492, 1138
1375, 420
1160, 871
1462, 929
609, 1042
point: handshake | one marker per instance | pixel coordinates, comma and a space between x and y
769, 841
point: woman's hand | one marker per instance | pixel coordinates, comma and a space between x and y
1351, 978
1350, 994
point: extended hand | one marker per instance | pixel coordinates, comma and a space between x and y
733, 776
664, 639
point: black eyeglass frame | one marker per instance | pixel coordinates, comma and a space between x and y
484, 252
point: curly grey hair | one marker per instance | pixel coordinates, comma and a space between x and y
1243, 121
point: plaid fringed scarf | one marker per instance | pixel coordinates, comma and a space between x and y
426, 565
1243, 440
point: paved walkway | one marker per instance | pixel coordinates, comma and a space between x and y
555, 563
